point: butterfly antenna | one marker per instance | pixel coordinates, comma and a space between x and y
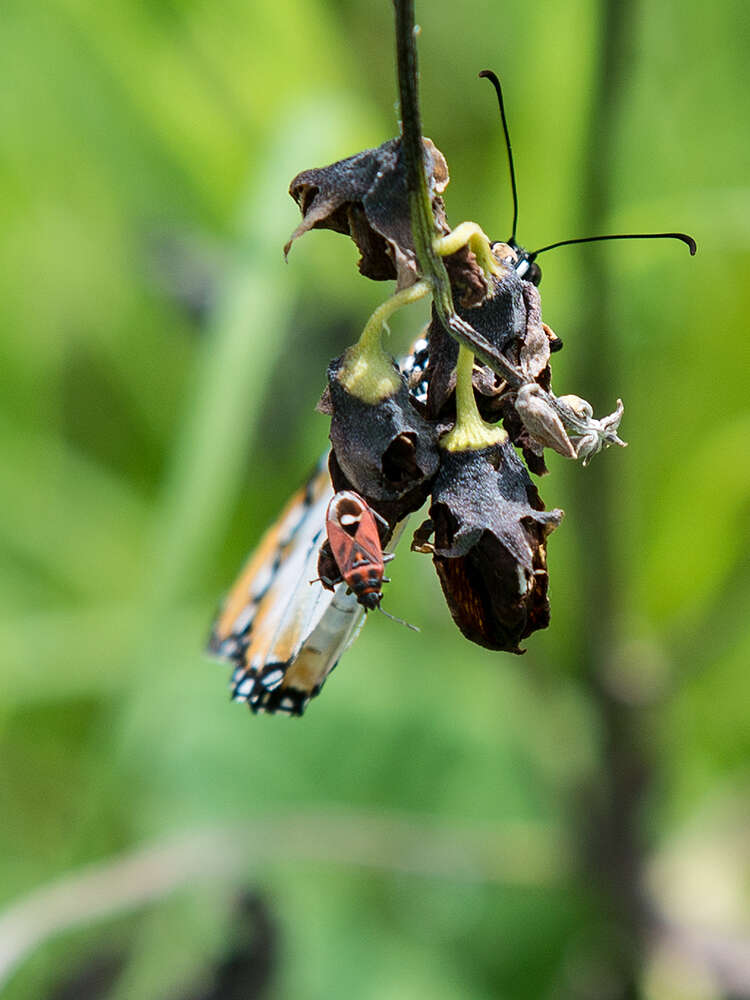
401, 621
492, 77
683, 237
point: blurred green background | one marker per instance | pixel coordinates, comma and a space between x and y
444, 822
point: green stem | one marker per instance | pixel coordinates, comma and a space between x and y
368, 371
412, 150
472, 235
423, 226
470, 432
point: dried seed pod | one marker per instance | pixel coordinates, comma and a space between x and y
365, 196
542, 423
510, 319
490, 531
386, 450
533, 455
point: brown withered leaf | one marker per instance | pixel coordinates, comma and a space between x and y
386, 451
490, 531
365, 196
535, 345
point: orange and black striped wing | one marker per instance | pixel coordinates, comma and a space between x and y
283, 635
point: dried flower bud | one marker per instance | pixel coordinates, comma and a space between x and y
544, 426
566, 423
589, 434
490, 531
533, 454
580, 407
365, 196
501, 319
386, 450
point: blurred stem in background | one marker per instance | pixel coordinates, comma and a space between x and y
510, 855
612, 841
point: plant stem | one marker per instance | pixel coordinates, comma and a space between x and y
470, 432
412, 150
423, 226
367, 371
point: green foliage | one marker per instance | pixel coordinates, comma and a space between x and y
144, 453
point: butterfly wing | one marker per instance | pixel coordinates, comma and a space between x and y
283, 635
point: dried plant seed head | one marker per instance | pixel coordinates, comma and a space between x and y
365, 196
590, 435
510, 320
490, 530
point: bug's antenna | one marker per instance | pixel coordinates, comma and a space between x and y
401, 621
492, 77
688, 240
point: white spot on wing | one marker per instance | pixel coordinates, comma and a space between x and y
244, 618
272, 680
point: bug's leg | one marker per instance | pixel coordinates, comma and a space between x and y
368, 371
386, 579
381, 520
327, 582
387, 556
471, 235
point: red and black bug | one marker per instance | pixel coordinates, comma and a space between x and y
354, 553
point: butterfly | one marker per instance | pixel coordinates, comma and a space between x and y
283, 636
